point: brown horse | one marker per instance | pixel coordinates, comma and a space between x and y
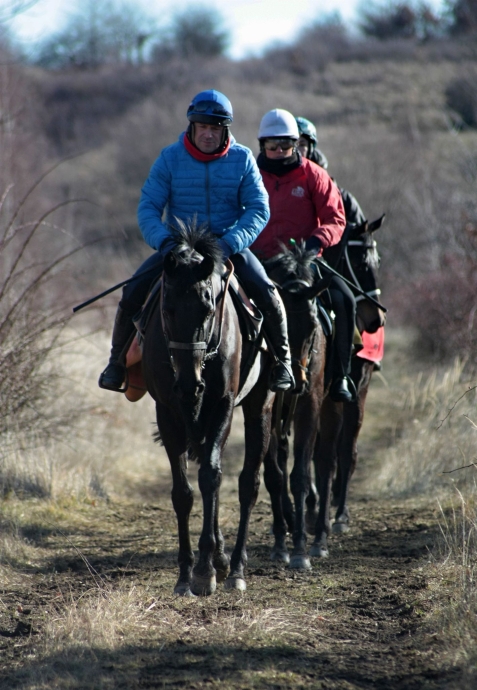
198, 366
296, 276
334, 466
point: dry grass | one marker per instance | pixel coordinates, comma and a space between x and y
438, 437
453, 578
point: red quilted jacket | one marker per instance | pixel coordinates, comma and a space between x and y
304, 202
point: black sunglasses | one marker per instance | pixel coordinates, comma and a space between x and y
274, 144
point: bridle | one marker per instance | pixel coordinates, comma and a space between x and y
200, 345
354, 279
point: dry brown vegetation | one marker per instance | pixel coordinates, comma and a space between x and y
87, 532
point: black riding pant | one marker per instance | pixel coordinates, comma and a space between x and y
343, 303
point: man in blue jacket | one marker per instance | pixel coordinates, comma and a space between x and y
206, 174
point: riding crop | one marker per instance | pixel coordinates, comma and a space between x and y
328, 268
112, 289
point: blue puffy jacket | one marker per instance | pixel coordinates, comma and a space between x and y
226, 193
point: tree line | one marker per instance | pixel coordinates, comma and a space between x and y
98, 34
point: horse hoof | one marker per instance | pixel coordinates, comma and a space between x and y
340, 527
182, 589
300, 563
203, 586
236, 583
280, 556
318, 551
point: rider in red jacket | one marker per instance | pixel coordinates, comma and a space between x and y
305, 204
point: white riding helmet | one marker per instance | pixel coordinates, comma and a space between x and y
278, 123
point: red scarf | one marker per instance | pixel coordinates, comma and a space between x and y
204, 157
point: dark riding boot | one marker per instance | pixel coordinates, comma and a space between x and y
339, 390
342, 388
275, 323
114, 375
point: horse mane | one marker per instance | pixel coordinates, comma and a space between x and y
295, 262
189, 235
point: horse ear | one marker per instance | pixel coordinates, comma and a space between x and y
376, 224
205, 268
317, 288
360, 229
170, 264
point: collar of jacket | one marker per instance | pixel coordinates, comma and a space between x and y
203, 157
279, 166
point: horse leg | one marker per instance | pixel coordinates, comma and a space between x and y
353, 414
274, 480
210, 477
257, 409
220, 559
325, 457
337, 481
305, 428
311, 515
182, 493
287, 503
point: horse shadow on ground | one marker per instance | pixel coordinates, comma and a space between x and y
183, 663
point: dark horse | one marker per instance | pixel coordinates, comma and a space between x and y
299, 282
198, 367
358, 263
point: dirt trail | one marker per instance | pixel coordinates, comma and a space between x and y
355, 621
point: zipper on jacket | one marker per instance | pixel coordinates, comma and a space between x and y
207, 191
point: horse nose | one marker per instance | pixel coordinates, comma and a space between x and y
377, 323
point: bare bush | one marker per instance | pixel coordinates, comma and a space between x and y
199, 31
405, 20
461, 98
99, 34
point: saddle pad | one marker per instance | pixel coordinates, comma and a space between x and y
136, 386
373, 345
252, 317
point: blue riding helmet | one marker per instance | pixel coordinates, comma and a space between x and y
212, 108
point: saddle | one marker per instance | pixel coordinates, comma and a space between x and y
250, 319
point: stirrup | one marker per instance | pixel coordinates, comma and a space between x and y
115, 388
285, 381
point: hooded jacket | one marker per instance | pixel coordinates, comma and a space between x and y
304, 202
226, 193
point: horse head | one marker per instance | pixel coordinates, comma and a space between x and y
299, 283
360, 265
188, 306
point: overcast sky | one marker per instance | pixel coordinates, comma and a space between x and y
254, 24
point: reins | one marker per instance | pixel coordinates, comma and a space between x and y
359, 243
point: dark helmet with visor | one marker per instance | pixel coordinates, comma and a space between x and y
307, 129
211, 107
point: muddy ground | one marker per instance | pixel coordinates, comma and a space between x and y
358, 620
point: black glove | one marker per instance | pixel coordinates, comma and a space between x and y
313, 244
